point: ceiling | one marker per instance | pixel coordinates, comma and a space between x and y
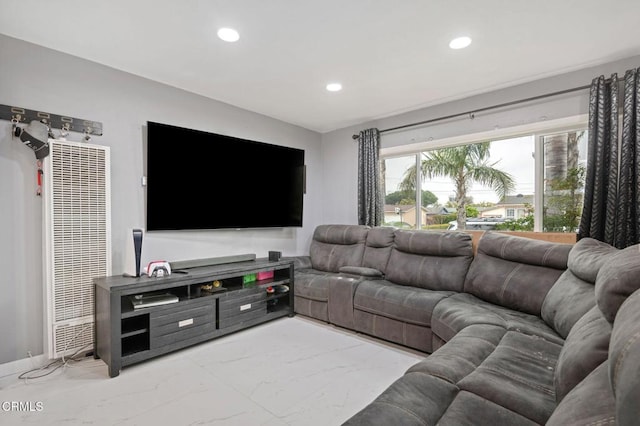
390, 56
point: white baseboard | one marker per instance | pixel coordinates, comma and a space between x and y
22, 365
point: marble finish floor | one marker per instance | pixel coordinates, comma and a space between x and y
292, 371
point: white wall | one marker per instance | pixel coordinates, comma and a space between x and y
340, 153
37, 78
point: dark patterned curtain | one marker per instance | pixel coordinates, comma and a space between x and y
601, 181
628, 221
370, 205
610, 211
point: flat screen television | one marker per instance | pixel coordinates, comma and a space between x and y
198, 180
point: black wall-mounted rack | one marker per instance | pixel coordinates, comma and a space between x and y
23, 115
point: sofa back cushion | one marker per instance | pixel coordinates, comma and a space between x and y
574, 294
515, 272
435, 260
335, 246
585, 348
624, 361
618, 278
377, 249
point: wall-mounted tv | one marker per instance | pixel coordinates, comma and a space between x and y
199, 180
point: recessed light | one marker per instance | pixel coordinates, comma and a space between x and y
334, 87
460, 42
228, 34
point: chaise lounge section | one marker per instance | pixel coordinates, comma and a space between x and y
518, 333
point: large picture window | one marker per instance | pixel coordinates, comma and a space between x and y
533, 182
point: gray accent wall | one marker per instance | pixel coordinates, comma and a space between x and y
340, 153
41, 79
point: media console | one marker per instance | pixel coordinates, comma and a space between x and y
200, 304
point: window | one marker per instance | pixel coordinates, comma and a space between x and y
400, 193
565, 163
529, 182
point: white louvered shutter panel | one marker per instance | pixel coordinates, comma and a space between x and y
78, 241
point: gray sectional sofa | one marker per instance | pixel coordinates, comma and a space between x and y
524, 332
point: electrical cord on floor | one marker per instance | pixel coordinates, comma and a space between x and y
53, 365
57, 363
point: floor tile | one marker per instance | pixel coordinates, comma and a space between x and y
292, 371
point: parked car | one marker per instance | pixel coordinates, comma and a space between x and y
475, 223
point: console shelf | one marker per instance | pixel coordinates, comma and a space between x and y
189, 311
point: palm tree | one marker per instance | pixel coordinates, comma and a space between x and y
464, 165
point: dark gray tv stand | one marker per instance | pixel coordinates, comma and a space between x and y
125, 335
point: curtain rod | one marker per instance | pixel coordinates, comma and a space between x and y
472, 112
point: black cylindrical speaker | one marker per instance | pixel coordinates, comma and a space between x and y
137, 246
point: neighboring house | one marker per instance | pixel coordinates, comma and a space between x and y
437, 210
510, 207
405, 213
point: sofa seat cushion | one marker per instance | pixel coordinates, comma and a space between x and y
484, 376
518, 375
463, 354
469, 409
420, 401
462, 310
413, 399
403, 303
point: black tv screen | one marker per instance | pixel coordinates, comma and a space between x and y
200, 180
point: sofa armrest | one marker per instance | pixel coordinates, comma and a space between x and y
361, 271
341, 293
300, 262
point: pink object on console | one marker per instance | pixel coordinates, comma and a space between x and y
264, 275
